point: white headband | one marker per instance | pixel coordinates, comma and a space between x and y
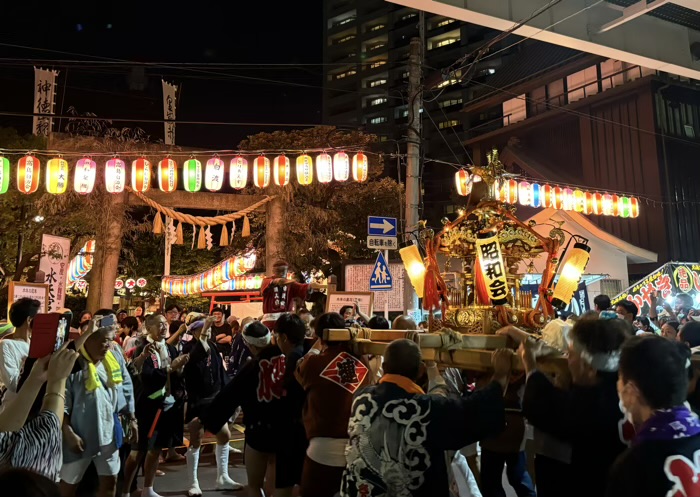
259, 342
607, 362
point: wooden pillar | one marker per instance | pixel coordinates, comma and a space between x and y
274, 229
108, 245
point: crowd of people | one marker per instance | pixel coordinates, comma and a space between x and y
321, 419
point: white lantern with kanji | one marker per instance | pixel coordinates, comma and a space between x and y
324, 168
214, 174
85, 174
341, 166
238, 172
115, 175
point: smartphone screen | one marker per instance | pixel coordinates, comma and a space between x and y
49, 333
107, 321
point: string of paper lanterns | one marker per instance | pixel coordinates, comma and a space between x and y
28, 173
210, 279
533, 194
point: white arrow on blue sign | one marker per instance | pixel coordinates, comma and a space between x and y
381, 226
381, 279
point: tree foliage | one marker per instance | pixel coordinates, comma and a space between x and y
327, 223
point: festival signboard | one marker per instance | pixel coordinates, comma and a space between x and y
669, 281
36, 291
336, 300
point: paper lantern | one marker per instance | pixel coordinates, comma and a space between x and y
547, 196
415, 268
214, 174
281, 170
571, 275
463, 182
598, 204
115, 175
512, 196
493, 271
536, 195
616, 205
359, 167
141, 175
568, 199
84, 176
341, 166
525, 193
261, 171
634, 207
56, 176
625, 207
238, 172
558, 197
588, 203
192, 175
579, 201
167, 175
305, 169
4, 174
607, 205
28, 173
324, 168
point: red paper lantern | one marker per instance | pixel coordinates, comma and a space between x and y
547, 196
341, 166
141, 175
634, 207
359, 167
167, 175
463, 182
588, 203
512, 191
617, 205
281, 170
598, 204
558, 202
85, 174
28, 174
261, 172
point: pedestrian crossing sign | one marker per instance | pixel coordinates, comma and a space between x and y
381, 279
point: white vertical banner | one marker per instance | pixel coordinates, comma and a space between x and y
44, 100
55, 253
169, 101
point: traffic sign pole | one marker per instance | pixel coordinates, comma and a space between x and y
386, 300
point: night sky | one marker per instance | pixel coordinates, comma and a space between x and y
200, 32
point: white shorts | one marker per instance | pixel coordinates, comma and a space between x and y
106, 464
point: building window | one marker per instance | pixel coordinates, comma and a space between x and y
450, 102
408, 16
445, 42
448, 124
582, 84
404, 75
376, 46
344, 39
447, 82
345, 74
404, 113
343, 22
444, 22
377, 82
377, 27
377, 63
377, 101
377, 120
514, 110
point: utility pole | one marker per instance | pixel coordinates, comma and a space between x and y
413, 193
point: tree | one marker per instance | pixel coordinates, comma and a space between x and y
327, 223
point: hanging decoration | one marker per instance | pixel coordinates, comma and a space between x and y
28, 173
85, 174
214, 174
305, 170
167, 175
4, 174
571, 274
261, 171
81, 264
56, 176
242, 283
341, 166
493, 271
360, 167
192, 175
281, 170
324, 168
141, 175
200, 221
463, 182
115, 175
238, 173
211, 278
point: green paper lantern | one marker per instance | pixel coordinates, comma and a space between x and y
192, 175
4, 174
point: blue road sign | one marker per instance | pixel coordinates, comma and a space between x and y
381, 226
380, 279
